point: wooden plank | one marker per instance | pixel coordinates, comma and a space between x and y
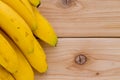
103, 59
83, 18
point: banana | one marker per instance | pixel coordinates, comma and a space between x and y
40, 58
44, 30
35, 3
28, 6
21, 9
25, 71
20, 33
16, 28
8, 57
5, 75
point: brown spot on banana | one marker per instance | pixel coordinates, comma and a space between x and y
26, 34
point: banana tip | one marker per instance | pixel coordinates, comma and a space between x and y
39, 4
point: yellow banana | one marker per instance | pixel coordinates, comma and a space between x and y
16, 28
20, 33
8, 57
20, 8
5, 75
35, 3
39, 61
24, 72
27, 5
44, 30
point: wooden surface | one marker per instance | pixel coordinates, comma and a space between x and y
83, 18
75, 22
103, 59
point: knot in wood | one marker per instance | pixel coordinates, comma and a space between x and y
67, 3
80, 59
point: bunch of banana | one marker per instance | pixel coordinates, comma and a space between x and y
20, 24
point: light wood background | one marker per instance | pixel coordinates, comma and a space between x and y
103, 59
87, 27
83, 18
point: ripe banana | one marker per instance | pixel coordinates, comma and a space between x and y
5, 75
44, 30
20, 33
8, 57
39, 61
21, 9
28, 6
16, 28
35, 3
24, 72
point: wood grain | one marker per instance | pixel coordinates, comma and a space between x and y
83, 18
103, 59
